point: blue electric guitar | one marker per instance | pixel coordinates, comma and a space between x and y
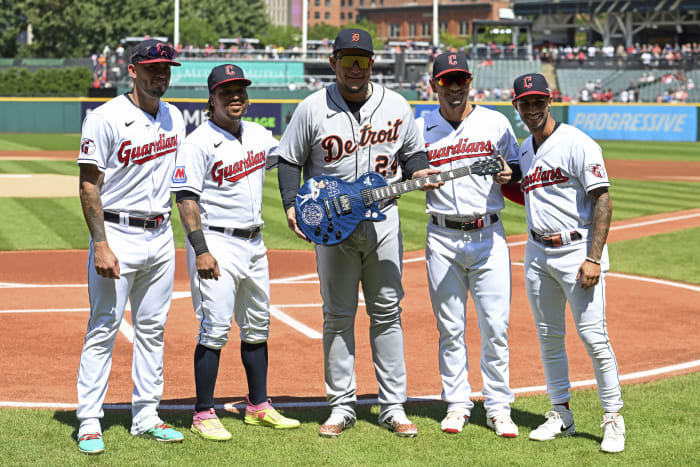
329, 209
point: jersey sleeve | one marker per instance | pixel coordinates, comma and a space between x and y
413, 140
591, 167
294, 147
96, 141
272, 144
190, 168
508, 144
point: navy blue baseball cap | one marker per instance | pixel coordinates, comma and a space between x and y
353, 39
226, 73
531, 83
449, 62
153, 51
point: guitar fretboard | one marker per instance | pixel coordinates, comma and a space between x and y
397, 189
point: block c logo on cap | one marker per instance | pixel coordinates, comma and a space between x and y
452, 59
527, 81
230, 70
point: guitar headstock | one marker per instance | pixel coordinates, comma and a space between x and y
489, 166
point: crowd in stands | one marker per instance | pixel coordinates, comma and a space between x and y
650, 55
108, 67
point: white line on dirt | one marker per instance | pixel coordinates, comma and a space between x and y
435, 397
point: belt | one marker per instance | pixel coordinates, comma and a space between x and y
242, 233
556, 239
482, 221
146, 223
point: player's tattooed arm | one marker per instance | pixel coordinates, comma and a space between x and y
589, 271
207, 266
189, 214
106, 262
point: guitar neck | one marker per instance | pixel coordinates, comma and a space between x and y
397, 189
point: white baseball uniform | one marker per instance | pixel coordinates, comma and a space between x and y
228, 176
466, 253
556, 182
326, 138
136, 153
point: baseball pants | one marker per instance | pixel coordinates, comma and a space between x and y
550, 280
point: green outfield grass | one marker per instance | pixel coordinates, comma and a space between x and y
40, 141
661, 430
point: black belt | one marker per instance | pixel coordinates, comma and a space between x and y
249, 234
146, 223
554, 240
471, 225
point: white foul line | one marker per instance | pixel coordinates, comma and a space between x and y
288, 320
435, 397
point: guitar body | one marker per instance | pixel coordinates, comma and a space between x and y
329, 209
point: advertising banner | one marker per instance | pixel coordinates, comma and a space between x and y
195, 73
267, 115
636, 122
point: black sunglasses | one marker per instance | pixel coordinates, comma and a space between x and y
461, 80
157, 51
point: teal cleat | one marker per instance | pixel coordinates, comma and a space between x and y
91, 443
164, 433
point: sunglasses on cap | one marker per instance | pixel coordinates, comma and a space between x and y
348, 61
461, 80
157, 51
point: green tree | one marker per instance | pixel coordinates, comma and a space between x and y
195, 31
285, 36
12, 23
321, 31
229, 18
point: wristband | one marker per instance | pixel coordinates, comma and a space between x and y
198, 242
588, 258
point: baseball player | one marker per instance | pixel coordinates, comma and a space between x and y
466, 250
218, 183
568, 217
127, 154
336, 131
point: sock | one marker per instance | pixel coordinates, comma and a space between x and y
206, 369
254, 357
565, 404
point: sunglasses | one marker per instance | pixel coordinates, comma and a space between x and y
157, 51
461, 80
348, 61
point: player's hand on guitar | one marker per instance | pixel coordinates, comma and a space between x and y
424, 173
106, 263
292, 223
208, 267
504, 175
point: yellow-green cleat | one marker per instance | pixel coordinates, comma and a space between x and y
265, 415
207, 425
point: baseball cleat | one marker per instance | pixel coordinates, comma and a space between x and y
91, 443
164, 433
207, 425
400, 425
265, 415
335, 425
454, 422
559, 422
614, 434
503, 425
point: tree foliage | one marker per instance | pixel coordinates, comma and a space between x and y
284, 36
77, 28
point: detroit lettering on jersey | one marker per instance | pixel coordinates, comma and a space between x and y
139, 154
335, 146
461, 150
234, 172
540, 178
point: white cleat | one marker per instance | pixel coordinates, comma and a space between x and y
503, 425
559, 422
614, 434
454, 422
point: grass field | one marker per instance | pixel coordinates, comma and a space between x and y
661, 422
661, 416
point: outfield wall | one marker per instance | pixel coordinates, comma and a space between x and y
631, 122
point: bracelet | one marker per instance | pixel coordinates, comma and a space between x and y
198, 242
588, 258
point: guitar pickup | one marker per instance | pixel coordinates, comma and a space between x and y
327, 205
366, 197
336, 205
345, 204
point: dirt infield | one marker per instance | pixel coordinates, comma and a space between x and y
43, 318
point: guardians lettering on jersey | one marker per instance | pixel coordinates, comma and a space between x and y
254, 161
540, 178
462, 150
335, 146
147, 152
